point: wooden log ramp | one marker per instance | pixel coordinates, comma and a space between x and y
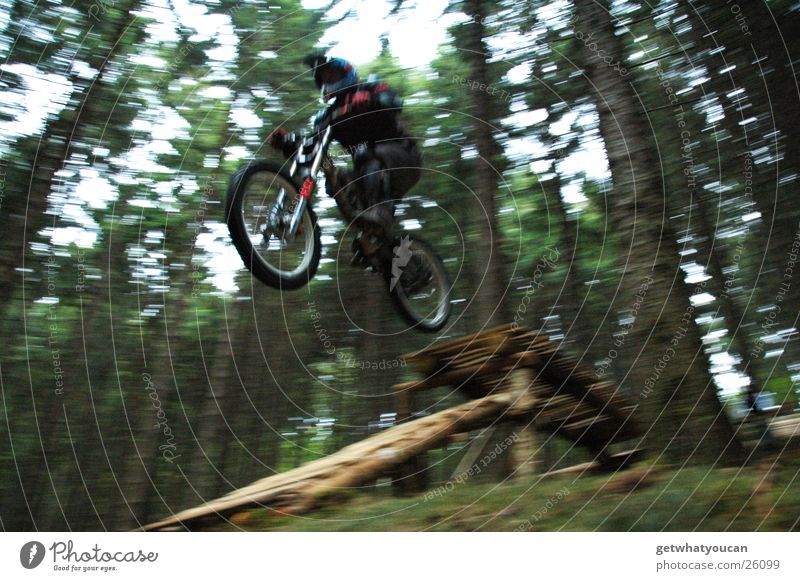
511, 374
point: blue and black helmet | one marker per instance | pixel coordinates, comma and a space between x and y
319, 63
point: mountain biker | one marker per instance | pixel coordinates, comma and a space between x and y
364, 118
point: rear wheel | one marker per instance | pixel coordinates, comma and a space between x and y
418, 284
259, 206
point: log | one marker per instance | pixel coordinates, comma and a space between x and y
515, 375
302, 489
785, 427
574, 402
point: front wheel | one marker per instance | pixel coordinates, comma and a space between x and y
259, 207
418, 284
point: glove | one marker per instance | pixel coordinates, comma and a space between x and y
278, 138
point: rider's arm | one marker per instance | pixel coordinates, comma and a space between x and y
287, 143
371, 97
283, 141
322, 118
385, 98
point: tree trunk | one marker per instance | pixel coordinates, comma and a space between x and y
770, 100
573, 301
492, 282
669, 372
153, 437
206, 472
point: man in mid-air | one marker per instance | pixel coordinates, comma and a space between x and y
386, 159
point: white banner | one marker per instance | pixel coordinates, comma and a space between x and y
398, 556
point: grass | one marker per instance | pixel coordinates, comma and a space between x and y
644, 497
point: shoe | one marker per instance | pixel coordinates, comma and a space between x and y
365, 251
377, 218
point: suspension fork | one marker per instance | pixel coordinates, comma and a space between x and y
277, 210
309, 184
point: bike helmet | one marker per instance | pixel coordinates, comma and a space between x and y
320, 64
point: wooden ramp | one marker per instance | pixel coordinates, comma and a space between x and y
511, 375
786, 427
570, 400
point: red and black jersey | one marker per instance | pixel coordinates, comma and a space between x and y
368, 113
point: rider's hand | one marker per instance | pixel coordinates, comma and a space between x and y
278, 138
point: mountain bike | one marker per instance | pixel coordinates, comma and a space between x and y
274, 228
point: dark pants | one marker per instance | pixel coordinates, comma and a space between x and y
381, 176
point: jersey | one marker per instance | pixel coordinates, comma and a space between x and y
377, 121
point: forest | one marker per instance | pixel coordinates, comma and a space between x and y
615, 174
